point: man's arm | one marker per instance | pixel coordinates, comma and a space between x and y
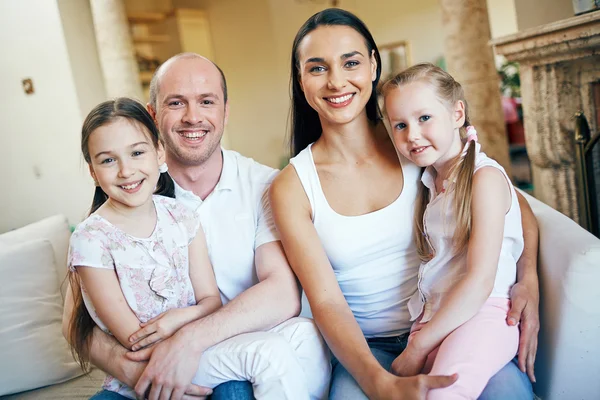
273, 300
525, 296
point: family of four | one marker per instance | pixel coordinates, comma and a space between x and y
417, 256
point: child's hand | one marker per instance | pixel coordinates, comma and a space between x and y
159, 328
409, 363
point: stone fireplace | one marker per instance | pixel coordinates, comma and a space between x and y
560, 76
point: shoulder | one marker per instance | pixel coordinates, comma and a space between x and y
92, 228
248, 168
490, 185
287, 188
172, 207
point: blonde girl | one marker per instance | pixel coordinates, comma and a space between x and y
468, 233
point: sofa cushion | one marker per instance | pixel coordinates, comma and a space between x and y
568, 359
34, 352
56, 230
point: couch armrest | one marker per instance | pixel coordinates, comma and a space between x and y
568, 359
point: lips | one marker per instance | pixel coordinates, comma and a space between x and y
419, 150
193, 134
132, 187
341, 100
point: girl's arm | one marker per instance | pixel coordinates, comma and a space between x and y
490, 201
291, 211
208, 299
102, 287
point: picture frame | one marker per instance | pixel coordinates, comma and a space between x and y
395, 57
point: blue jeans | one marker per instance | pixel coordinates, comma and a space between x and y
234, 390
508, 384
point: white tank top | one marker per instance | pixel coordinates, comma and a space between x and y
373, 255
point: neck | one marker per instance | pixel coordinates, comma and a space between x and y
199, 179
445, 165
123, 212
353, 142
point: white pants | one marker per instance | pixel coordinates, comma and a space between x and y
290, 361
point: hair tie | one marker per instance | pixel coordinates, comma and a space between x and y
163, 168
471, 134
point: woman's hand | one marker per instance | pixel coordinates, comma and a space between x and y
410, 362
159, 328
391, 387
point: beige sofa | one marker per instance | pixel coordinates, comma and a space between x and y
567, 367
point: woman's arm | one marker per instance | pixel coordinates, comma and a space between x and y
490, 201
208, 299
525, 294
291, 211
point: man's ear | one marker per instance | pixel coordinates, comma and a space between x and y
152, 112
460, 114
226, 118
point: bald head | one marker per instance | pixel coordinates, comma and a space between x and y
164, 68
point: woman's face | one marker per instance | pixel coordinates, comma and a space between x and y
336, 73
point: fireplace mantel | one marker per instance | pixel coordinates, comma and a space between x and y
559, 64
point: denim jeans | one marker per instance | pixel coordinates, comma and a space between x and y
234, 390
508, 384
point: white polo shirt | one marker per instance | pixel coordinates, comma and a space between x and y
236, 218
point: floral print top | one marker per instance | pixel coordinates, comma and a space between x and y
153, 272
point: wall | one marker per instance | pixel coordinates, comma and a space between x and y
252, 43
41, 170
531, 13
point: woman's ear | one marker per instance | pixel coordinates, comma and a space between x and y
373, 66
459, 114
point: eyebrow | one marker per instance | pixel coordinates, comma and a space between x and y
109, 151
343, 57
182, 97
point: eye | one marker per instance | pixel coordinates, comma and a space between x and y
351, 64
318, 68
424, 118
137, 153
400, 126
207, 102
107, 161
175, 103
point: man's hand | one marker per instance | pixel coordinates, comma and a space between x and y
525, 309
392, 387
170, 370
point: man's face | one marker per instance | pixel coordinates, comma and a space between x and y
190, 111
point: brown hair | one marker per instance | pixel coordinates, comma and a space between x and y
81, 324
449, 92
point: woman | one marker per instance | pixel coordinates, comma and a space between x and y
344, 209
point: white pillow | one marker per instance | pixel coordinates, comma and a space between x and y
56, 230
33, 351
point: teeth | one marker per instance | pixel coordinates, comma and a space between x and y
338, 100
132, 186
419, 150
194, 135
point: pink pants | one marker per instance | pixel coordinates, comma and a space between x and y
476, 350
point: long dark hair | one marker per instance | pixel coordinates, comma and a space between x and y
306, 126
81, 324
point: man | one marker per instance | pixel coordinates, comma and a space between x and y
188, 101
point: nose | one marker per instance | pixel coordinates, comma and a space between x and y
337, 80
413, 133
126, 169
193, 114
